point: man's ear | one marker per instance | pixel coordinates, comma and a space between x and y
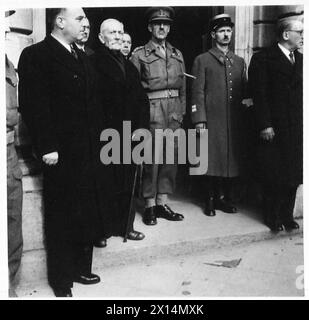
213, 34
285, 35
60, 22
150, 27
101, 38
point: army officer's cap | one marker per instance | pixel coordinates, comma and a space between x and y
220, 20
155, 14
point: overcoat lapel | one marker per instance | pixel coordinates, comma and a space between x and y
63, 56
110, 67
281, 61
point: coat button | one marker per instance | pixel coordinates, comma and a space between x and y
75, 76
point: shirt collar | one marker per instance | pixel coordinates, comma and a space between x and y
66, 45
284, 50
158, 46
80, 47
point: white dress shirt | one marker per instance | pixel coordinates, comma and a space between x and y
286, 51
66, 45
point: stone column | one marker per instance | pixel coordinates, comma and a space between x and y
243, 31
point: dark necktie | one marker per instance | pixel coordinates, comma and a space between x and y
73, 52
292, 59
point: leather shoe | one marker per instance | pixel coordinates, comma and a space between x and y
62, 292
167, 213
275, 227
291, 225
100, 243
209, 209
149, 216
88, 278
135, 235
225, 206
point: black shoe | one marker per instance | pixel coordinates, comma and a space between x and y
62, 292
101, 243
209, 209
87, 278
149, 216
135, 235
291, 225
225, 206
275, 227
167, 213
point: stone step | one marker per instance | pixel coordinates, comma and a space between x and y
197, 233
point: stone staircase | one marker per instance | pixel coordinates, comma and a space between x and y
197, 233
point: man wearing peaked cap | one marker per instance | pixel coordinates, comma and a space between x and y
160, 14
217, 93
220, 20
162, 74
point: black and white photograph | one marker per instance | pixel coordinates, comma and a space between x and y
154, 150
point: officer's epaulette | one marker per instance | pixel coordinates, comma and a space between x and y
176, 52
137, 49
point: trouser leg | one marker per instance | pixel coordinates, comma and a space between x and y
14, 213
83, 259
209, 187
288, 202
272, 201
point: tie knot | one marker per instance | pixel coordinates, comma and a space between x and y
73, 52
292, 57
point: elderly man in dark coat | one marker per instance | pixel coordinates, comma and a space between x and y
276, 82
56, 94
121, 98
217, 93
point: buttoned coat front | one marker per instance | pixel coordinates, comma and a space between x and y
56, 98
216, 98
160, 73
277, 90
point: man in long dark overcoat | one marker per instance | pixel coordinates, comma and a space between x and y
276, 82
121, 98
217, 93
56, 94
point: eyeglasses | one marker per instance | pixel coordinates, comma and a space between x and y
300, 32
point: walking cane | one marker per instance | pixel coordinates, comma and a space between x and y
130, 215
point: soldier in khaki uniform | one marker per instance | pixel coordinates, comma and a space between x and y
162, 71
14, 174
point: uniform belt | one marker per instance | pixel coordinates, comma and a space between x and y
161, 94
10, 137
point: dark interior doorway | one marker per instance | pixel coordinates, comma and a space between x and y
189, 32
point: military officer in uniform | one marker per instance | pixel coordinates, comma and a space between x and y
162, 68
14, 174
217, 94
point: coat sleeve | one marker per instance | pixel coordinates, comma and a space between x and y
259, 87
143, 103
135, 60
35, 97
198, 108
182, 90
244, 81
